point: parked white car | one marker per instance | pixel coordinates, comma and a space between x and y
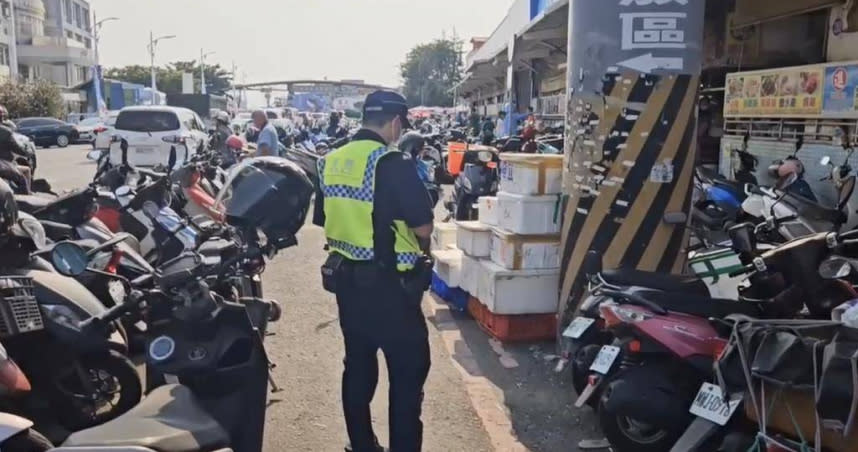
152, 131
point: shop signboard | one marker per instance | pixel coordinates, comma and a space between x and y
824, 90
778, 92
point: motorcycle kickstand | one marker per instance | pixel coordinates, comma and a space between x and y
274, 387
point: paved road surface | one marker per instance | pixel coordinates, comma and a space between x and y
480, 396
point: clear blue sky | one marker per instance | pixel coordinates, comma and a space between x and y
288, 39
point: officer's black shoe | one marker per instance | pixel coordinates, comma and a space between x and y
377, 448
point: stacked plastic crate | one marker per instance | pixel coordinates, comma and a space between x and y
514, 287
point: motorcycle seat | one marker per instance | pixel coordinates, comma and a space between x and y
701, 306
32, 203
653, 280
169, 418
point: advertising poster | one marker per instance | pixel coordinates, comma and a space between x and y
840, 84
779, 92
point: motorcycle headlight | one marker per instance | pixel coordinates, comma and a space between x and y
61, 314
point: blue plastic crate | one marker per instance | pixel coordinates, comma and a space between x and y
454, 296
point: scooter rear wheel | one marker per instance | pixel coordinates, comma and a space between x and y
632, 435
27, 441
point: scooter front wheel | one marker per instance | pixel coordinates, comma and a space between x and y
98, 388
27, 441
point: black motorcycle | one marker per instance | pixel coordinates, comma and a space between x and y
479, 177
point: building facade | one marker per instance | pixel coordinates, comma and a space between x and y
54, 41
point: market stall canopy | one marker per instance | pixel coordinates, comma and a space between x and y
752, 12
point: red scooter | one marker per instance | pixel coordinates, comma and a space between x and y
666, 343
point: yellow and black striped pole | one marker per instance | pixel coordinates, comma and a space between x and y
633, 76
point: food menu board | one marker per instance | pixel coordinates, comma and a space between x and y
777, 92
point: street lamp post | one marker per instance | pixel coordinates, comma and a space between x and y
203, 70
152, 43
95, 36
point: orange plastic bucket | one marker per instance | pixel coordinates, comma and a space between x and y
455, 156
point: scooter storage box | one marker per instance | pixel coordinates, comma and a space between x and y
448, 266
469, 274
523, 252
529, 215
518, 291
474, 238
531, 174
714, 267
443, 236
488, 210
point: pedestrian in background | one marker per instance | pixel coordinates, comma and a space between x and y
266, 142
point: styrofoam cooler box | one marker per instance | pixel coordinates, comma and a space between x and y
512, 292
529, 214
474, 238
469, 275
531, 174
488, 210
521, 252
448, 265
443, 235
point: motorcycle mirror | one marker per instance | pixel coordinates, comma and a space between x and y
742, 237
69, 258
675, 218
93, 155
593, 263
835, 267
171, 161
824, 161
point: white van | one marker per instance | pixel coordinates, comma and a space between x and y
151, 131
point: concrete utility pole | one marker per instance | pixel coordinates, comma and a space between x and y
13, 44
203, 70
632, 78
152, 43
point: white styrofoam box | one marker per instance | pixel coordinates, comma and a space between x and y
529, 215
512, 292
443, 235
474, 238
531, 174
521, 252
488, 209
471, 269
448, 264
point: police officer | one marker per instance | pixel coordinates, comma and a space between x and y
378, 222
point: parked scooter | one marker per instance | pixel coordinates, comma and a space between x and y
665, 343
479, 177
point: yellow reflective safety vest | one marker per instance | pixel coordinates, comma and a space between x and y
347, 180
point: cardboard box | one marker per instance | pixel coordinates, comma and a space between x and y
524, 252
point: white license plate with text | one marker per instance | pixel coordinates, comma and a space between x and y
578, 327
606, 357
709, 404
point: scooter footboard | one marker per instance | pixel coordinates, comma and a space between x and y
647, 393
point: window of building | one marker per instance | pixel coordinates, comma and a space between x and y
88, 43
69, 34
78, 15
79, 38
4, 54
86, 19
68, 10
81, 73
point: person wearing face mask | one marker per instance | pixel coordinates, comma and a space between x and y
378, 223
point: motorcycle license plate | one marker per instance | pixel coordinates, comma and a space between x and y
578, 327
144, 150
709, 404
606, 357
